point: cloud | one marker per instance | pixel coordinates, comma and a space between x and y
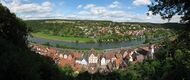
84, 13
93, 9
79, 6
141, 2
43, 16
114, 4
94, 12
98, 10
89, 6
113, 11
18, 7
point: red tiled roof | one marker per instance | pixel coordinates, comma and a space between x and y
109, 55
118, 61
118, 55
64, 62
76, 55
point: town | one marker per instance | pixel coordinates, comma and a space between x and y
97, 61
95, 31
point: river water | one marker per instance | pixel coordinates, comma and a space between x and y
88, 45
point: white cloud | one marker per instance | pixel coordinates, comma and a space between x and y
88, 6
98, 10
114, 4
79, 6
84, 13
113, 11
43, 16
141, 2
116, 14
93, 9
18, 7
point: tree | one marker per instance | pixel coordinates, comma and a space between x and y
174, 56
168, 8
17, 61
12, 28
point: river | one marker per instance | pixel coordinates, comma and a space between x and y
88, 45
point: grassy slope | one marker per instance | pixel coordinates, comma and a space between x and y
69, 39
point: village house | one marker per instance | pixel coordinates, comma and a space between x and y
147, 51
103, 64
82, 61
118, 60
103, 61
93, 61
92, 58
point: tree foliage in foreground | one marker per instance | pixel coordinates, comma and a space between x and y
17, 61
169, 8
12, 28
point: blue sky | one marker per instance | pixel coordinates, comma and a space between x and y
114, 10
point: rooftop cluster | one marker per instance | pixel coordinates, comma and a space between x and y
94, 61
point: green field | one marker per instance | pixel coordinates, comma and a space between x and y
69, 39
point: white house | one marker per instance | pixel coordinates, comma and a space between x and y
125, 54
84, 62
65, 56
130, 56
113, 59
60, 55
78, 61
107, 61
92, 59
103, 61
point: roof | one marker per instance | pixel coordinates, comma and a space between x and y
122, 51
76, 55
140, 58
64, 62
118, 55
109, 55
143, 51
85, 56
118, 62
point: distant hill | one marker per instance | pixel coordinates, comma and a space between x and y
102, 31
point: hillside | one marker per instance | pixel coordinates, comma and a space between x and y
97, 31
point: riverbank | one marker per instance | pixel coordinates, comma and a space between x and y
60, 38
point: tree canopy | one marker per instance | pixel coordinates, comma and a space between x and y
168, 8
12, 28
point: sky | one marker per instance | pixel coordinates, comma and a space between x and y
114, 10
